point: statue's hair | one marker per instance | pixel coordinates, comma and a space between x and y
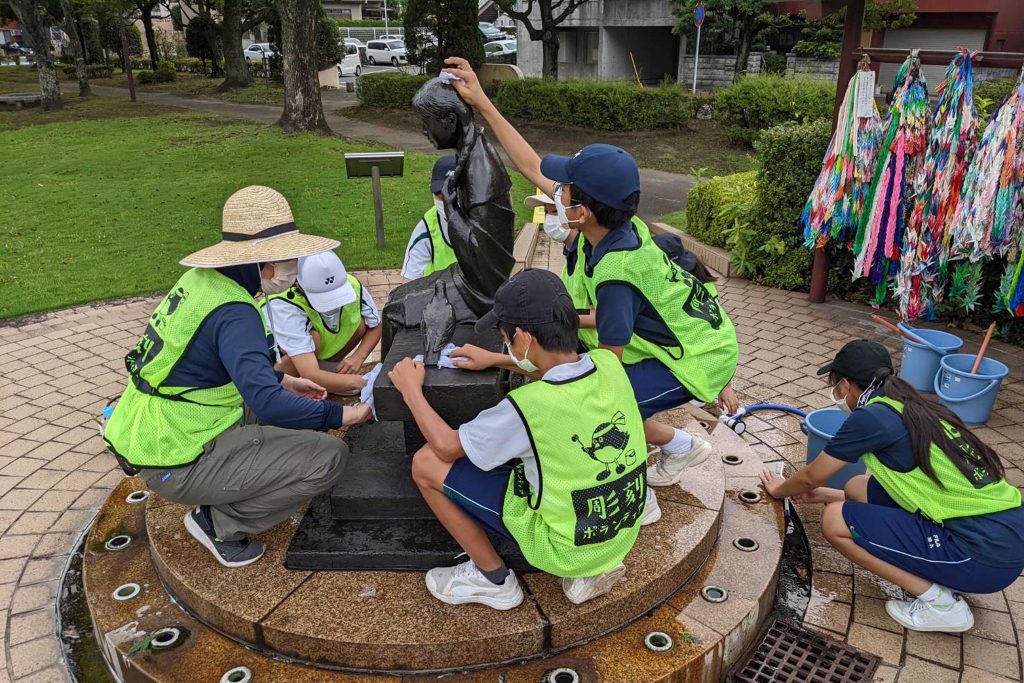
437, 98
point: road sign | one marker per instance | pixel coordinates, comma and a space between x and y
699, 15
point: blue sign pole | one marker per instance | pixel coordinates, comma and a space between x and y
698, 22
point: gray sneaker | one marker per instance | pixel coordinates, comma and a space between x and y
229, 553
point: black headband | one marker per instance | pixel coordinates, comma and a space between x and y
262, 234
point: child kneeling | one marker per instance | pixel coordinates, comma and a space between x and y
558, 466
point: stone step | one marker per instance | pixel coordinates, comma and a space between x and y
324, 541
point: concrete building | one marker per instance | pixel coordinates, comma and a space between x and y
603, 39
353, 9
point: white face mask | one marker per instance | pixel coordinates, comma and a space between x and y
524, 364
439, 203
561, 208
554, 228
332, 319
839, 402
285, 273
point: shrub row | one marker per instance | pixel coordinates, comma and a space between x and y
389, 89
753, 104
713, 205
990, 94
593, 104
165, 72
91, 71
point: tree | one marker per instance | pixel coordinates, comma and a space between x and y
146, 8
77, 45
731, 25
436, 29
229, 19
202, 41
36, 22
551, 13
822, 38
303, 109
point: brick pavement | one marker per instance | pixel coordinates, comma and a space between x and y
57, 371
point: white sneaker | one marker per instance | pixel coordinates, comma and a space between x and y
918, 615
670, 467
464, 583
578, 591
652, 511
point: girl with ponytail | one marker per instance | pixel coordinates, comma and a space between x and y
934, 515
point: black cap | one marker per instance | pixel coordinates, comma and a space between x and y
859, 360
443, 167
529, 298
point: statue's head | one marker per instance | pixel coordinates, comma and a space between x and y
444, 113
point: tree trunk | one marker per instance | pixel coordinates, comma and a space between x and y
31, 19
550, 43
303, 109
146, 10
77, 47
743, 53
236, 70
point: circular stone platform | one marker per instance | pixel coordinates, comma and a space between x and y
379, 621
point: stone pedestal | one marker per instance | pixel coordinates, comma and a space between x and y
375, 517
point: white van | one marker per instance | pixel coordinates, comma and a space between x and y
349, 64
385, 51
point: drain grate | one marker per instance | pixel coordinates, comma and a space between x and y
788, 653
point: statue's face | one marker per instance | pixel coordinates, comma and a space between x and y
442, 132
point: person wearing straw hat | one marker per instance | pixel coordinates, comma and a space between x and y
430, 249
204, 419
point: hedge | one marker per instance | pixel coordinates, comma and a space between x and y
389, 89
789, 161
593, 104
712, 205
753, 104
91, 71
990, 94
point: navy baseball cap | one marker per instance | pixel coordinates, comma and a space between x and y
605, 172
443, 167
529, 297
859, 360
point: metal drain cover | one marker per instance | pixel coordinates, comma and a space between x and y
793, 654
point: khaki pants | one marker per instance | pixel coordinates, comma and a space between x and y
254, 476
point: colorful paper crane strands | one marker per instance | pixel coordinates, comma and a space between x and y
834, 207
880, 231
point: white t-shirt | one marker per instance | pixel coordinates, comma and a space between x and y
418, 253
497, 435
293, 330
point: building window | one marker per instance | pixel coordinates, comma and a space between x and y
338, 13
590, 47
567, 47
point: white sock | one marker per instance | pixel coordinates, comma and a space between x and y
938, 596
680, 443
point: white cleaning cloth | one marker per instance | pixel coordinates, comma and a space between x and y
366, 395
444, 361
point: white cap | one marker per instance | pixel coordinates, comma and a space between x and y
533, 201
324, 280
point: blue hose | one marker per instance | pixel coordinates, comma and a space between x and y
775, 406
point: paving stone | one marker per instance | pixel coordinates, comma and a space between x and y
19, 499
55, 544
828, 614
39, 570
34, 655
10, 569
17, 546
32, 625
42, 479
33, 523
36, 596
872, 612
888, 646
22, 467
919, 671
55, 501
53, 674
833, 586
988, 655
942, 648
885, 674
994, 626
972, 675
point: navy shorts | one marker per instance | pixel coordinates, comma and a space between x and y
479, 493
655, 387
917, 545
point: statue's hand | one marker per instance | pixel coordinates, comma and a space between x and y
469, 88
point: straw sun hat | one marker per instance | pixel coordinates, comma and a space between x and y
258, 226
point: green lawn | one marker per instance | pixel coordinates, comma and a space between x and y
197, 85
98, 208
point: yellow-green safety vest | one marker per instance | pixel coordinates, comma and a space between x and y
157, 425
331, 343
588, 439
573, 278
968, 488
441, 253
703, 351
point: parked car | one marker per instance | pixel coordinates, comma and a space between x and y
349, 64
385, 51
354, 41
16, 49
500, 47
259, 52
390, 37
490, 33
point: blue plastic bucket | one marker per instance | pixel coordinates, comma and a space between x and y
970, 395
821, 425
920, 362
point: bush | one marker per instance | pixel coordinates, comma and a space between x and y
92, 71
713, 206
593, 104
990, 94
773, 63
145, 76
789, 161
190, 65
754, 104
165, 73
389, 89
